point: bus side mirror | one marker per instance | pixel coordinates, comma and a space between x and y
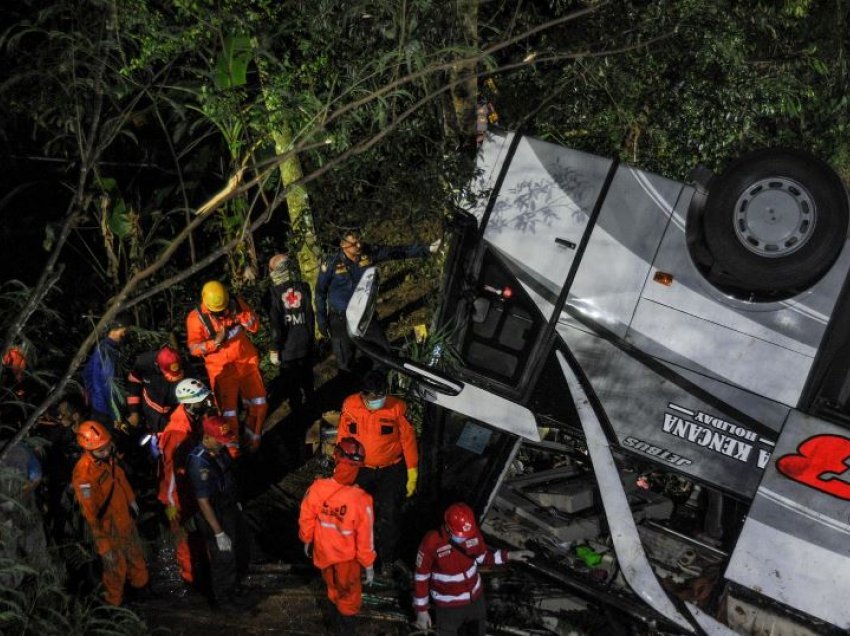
361, 307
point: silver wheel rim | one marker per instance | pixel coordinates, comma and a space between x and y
775, 217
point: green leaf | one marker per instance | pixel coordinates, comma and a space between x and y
231, 67
119, 220
108, 184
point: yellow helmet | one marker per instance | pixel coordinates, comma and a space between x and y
215, 296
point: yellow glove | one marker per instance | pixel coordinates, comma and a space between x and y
412, 478
173, 516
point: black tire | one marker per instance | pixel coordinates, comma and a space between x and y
774, 223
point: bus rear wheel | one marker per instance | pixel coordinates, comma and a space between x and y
774, 223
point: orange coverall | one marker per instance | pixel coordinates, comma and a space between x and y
385, 432
338, 521
233, 366
114, 531
175, 443
387, 436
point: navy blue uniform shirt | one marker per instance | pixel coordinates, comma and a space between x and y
339, 276
211, 475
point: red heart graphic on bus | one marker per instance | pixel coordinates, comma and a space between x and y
818, 463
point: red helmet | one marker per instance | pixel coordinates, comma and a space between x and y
219, 429
349, 451
92, 435
460, 521
168, 361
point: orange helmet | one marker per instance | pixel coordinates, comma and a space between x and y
168, 361
460, 521
349, 451
92, 435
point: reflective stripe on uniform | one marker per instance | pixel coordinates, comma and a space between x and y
172, 486
371, 528
153, 405
257, 400
228, 413
422, 577
454, 578
448, 598
328, 524
420, 601
498, 557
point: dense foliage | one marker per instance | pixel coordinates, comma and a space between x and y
724, 77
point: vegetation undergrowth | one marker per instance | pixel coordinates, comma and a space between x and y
33, 595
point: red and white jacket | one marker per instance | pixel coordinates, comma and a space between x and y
448, 571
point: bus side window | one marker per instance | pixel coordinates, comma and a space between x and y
503, 326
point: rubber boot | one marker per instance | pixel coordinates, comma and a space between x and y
347, 625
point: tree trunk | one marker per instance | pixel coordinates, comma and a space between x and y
298, 203
463, 75
297, 199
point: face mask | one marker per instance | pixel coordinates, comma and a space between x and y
458, 539
199, 408
281, 274
105, 457
377, 403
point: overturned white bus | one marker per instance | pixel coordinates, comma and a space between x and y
657, 373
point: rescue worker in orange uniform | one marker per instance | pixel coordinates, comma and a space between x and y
391, 467
182, 433
217, 331
109, 505
335, 524
447, 571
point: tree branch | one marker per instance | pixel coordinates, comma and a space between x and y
236, 186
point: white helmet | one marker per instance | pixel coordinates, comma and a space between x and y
191, 391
